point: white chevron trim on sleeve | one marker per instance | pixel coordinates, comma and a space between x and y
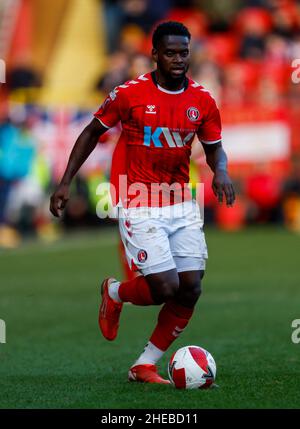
142, 77
211, 142
105, 126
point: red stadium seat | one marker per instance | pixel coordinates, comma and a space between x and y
232, 218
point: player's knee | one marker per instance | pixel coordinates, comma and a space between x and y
189, 293
195, 286
196, 290
193, 290
164, 286
191, 285
168, 290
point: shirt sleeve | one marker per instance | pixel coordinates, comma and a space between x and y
111, 110
209, 131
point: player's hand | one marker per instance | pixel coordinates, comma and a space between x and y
59, 200
222, 185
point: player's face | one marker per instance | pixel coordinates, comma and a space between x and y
172, 57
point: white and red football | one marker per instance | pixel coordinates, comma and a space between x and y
192, 367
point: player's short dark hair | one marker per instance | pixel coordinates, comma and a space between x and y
170, 28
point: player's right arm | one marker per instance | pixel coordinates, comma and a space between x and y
113, 109
84, 146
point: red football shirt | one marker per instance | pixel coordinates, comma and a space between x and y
158, 128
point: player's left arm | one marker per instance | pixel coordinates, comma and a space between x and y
216, 158
209, 134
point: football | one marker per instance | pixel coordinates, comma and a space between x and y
192, 367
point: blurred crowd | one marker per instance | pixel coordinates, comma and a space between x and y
242, 51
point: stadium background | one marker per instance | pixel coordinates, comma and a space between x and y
62, 58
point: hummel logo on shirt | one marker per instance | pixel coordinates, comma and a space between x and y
151, 109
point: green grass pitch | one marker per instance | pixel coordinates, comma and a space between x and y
55, 356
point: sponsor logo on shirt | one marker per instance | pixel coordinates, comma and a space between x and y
173, 138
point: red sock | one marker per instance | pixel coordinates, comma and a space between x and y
136, 291
172, 320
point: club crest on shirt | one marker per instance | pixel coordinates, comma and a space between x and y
142, 255
193, 113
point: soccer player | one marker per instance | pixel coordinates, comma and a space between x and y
160, 112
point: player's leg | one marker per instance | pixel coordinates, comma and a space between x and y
159, 284
151, 289
163, 286
147, 249
175, 314
190, 285
188, 247
189, 251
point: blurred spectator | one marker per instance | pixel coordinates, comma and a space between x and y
132, 39
276, 50
242, 53
131, 14
294, 46
113, 17
121, 68
268, 93
291, 197
139, 64
22, 74
257, 3
253, 24
285, 19
17, 150
219, 13
235, 89
140, 13
292, 182
209, 75
116, 73
195, 20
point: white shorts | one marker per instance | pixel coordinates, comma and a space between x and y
158, 239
